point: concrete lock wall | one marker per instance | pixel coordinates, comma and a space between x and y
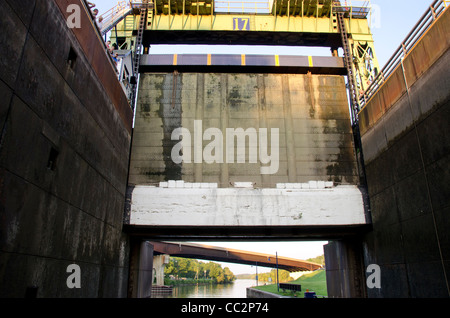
310, 111
406, 145
63, 156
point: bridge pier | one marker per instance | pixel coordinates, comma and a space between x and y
159, 262
141, 269
345, 269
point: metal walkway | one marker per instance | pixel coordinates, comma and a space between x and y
114, 15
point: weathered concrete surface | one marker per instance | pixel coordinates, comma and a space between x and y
159, 262
315, 143
310, 111
407, 157
63, 159
155, 206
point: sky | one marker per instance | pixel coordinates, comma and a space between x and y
391, 23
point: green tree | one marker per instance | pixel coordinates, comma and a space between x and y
283, 276
229, 276
215, 271
319, 259
191, 268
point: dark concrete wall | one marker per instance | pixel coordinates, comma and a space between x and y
64, 152
310, 111
406, 145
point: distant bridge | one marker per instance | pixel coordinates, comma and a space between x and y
221, 254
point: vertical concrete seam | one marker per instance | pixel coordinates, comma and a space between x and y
200, 97
224, 118
312, 111
289, 133
262, 114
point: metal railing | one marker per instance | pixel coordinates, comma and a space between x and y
139, 4
433, 12
105, 49
354, 8
353, 12
241, 6
98, 32
115, 15
358, 9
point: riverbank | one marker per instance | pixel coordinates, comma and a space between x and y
315, 281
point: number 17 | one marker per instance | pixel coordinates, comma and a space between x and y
243, 22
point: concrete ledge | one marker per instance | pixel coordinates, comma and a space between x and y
212, 206
256, 293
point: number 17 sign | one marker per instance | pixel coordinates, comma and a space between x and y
241, 24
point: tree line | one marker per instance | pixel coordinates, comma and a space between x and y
319, 260
269, 277
179, 268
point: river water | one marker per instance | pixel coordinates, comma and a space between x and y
238, 289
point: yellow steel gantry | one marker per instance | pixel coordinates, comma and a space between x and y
270, 22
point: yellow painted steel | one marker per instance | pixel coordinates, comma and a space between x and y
243, 59
277, 60
203, 7
188, 20
285, 16
310, 61
221, 22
